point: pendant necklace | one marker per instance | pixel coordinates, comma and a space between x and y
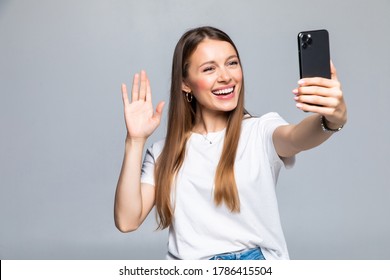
207, 139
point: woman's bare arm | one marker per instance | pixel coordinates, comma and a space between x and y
133, 200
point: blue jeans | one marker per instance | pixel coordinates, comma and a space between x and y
248, 254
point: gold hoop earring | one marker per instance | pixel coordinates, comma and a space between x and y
189, 97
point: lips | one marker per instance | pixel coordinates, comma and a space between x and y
224, 91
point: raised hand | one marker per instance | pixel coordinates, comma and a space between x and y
141, 119
322, 96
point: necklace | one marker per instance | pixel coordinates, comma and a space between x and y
207, 139
215, 136
211, 137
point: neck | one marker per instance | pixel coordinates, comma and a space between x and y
207, 122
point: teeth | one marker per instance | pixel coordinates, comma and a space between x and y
224, 91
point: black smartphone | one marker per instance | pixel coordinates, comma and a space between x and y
314, 54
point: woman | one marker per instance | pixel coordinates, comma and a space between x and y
212, 179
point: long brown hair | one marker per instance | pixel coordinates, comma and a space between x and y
181, 119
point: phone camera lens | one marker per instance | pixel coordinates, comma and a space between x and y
306, 40
309, 40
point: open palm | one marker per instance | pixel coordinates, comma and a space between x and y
141, 120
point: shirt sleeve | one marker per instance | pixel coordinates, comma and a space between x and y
151, 155
270, 122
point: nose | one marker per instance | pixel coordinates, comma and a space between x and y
224, 75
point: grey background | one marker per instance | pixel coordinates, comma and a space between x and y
62, 128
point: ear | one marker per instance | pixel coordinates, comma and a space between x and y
185, 87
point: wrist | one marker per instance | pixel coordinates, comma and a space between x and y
135, 141
330, 127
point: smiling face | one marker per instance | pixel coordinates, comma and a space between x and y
214, 77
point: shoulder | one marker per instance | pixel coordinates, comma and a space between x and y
268, 119
261, 127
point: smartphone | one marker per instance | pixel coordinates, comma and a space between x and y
314, 54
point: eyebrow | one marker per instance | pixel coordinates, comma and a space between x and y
214, 62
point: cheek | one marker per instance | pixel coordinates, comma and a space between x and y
238, 76
202, 84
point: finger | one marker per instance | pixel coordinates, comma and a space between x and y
318, 81
317, 100
142, 88
159, 110
317, 90
134, 91
148, 91
125, 96
333, 71
325, 111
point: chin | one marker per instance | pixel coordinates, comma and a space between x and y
228, 108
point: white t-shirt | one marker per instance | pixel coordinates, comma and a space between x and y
200, 229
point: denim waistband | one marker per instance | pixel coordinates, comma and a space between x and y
246, 254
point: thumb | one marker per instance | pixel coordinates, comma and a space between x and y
159, 110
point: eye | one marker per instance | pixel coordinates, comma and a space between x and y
233, 63
208, 69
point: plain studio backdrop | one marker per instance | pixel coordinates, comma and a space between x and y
62, 126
